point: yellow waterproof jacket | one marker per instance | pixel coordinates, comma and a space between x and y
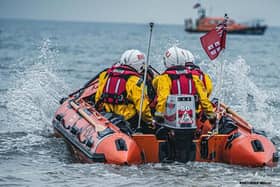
162, 85
134, 92
208, 84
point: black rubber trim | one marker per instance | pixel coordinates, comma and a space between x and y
204, 148
230, 140
95, 157
121, 144
275, 157
104, 133
59, 117
257, 146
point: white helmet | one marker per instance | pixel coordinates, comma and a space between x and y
134, 58
175, 56
189, 56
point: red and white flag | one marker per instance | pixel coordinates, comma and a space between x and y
215, 40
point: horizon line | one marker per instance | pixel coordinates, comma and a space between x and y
94, 21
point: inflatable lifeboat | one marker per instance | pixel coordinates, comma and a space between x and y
105, 137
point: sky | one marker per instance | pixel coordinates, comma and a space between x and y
139, 11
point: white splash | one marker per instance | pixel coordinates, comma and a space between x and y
34, 97
241, 93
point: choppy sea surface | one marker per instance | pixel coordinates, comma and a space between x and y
42, 61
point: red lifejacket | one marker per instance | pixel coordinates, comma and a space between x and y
114, 91
195, 70
182, 81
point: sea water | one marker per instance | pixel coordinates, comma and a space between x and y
43, 61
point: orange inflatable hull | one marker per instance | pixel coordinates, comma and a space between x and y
98, 142
238, 152
94, 138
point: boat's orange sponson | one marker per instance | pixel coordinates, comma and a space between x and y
240, 146
242, 150
94, 137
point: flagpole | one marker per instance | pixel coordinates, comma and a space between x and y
214, 43
220, 82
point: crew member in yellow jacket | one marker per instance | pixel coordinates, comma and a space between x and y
178, 79
120, 89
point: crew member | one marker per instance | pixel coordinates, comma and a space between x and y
120, 89
178, 79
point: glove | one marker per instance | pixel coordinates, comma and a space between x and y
212, 117
158, 118
151, 125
